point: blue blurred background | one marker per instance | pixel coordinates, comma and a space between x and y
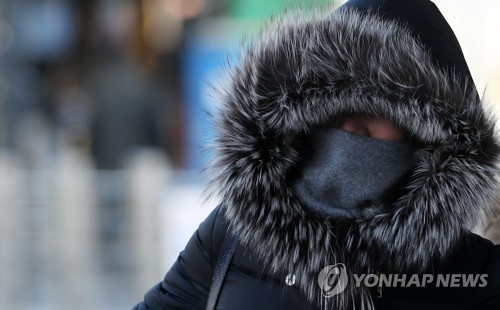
103, 121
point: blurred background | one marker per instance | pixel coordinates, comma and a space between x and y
103, 122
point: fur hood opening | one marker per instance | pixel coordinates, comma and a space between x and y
307, 68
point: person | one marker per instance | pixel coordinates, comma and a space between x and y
352, 161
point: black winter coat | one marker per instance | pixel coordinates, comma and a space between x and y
248, 286
392, 58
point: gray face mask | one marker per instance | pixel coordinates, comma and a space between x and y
346, 171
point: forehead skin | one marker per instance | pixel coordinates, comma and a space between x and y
373, 127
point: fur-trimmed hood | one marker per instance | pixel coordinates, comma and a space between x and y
305, 69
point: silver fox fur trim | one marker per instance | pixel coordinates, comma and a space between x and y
307, 68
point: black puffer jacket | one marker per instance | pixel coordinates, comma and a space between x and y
394, 58
249, 286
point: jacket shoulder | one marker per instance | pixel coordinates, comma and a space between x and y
187, 284
488, 297
481, 257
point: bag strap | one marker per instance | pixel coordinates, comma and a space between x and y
225, 256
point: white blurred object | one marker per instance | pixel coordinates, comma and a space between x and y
9, 190
182, 212
75, 230
146, 177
